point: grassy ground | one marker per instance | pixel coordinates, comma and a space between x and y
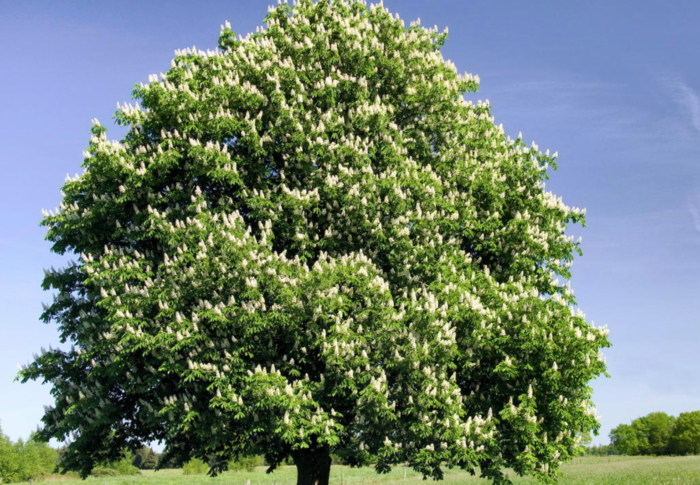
615, 470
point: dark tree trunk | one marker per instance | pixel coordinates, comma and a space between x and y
313, 466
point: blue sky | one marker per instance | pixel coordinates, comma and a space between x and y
614, 86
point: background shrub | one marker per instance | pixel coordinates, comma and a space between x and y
194, 467
247, 463
121, 467
145, 459
25, 460
101, 471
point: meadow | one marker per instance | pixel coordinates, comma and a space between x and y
608, 470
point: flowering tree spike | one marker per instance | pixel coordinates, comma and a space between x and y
309, 243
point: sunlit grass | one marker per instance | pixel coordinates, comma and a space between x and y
614, 470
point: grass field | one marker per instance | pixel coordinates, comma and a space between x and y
614, 470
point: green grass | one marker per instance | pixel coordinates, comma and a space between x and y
614, 470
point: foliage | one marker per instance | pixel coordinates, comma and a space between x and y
624, 439
36, 458
122, 466
139, 455
309, 242
685, 438
145, 459
657, 428
600, 450
25, 460
337, 459
648, 435
9, 461
164, 462
102, 471
194, 467
247, 463
150, 462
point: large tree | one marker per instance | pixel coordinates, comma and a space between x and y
310, 242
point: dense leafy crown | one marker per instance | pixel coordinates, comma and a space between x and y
309, 238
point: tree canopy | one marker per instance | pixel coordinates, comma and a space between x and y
685, 438
658, 434
648, 435
309, 242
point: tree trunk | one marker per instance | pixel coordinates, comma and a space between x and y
313, 466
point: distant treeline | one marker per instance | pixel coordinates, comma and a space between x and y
654, 434
147, 459
32, 460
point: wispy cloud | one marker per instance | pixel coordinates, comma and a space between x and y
554, 84
694, 209
687, 98
569, 102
